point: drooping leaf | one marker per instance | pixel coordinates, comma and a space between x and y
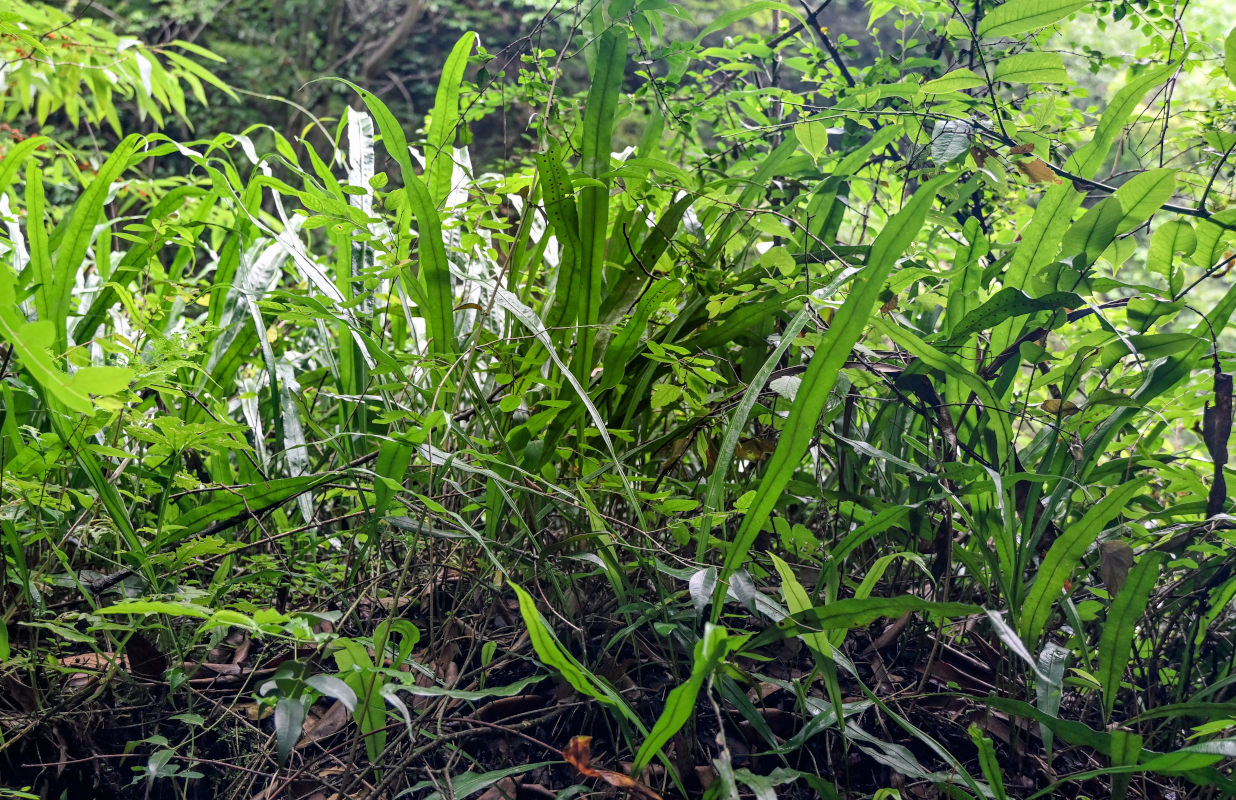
950, 139
1143, 195
813, 136
853, 613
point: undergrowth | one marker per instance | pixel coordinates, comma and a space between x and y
797, 417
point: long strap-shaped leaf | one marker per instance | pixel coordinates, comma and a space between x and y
435, 269
1116, 641
597, 142
821, 376
439, 166
80, 229
1064, 556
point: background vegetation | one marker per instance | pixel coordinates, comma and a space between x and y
777, 400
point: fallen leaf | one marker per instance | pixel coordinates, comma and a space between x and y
328, 723
145, 660
579, 755
505, 789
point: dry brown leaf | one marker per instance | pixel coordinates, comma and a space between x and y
1115, 561
1037, 171
505, 789
579, 755
328, 723
145, 660
1021, 149
254, 712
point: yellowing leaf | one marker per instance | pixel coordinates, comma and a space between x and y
1053, 405
1037, 171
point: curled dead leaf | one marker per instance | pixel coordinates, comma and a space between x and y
579, 755
1021, 149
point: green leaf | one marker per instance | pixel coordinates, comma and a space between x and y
1172, 237
854, 612
813, 136
331, 686
28, 340
1229, 56
1212, 239
472, 696
551, 653
289, 721
1116, 641
1089, 159
798, 601
435, 275
955, 81
680, 703
394, 456
469, 783
170, 608
1007, 303
822, 372
245, 501
988, 762
1031, 68
1144, 194
1019, 16
81, 221
746, 10
1066, 553
103, 381
1096, 229
15, 156
608, 70
665, 393
445, 120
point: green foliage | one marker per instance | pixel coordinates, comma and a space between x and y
913, 351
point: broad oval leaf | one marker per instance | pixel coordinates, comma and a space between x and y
1019, 16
